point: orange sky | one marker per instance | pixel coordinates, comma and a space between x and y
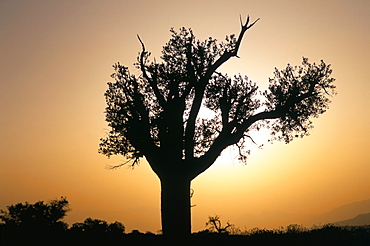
56, 58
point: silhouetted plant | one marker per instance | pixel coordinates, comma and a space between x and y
116, 227
157, 114
136, 232
37, 216
149, 233
295, 229
98, 226
214, 225
262, 231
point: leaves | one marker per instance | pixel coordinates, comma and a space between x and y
298, 94
36, 215
159, 113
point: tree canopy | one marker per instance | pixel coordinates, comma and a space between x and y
98, 226
159, 110
37, 215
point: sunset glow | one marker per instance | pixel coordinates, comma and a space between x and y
57, 56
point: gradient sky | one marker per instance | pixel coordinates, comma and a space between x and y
55, 61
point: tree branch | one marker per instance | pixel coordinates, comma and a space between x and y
224, 101
241, 103
190, 126
153, 84
139, 130
228, 54
200, 87
227, 138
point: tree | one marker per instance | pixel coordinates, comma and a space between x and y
40, 215
156, 115
215, 225
96, 226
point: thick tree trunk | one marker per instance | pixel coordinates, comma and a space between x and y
175, 207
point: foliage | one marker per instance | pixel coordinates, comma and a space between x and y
301, 92
37, 215
98, 226
159, 110
295, 228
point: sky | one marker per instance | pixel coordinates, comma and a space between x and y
57, 56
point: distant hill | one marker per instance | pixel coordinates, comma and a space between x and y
342, 213
349, 211
361, 219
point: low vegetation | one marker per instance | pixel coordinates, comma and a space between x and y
41, 224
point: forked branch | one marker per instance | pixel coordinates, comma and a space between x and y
228, 54
199, 89
152, 81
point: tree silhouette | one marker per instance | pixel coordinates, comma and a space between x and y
37, 216
96, 226
156, 115
215, 225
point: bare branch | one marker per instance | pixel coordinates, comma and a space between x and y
152, 81
135, 160
227, 54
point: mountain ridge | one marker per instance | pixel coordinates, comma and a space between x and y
359, 220
342, 213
